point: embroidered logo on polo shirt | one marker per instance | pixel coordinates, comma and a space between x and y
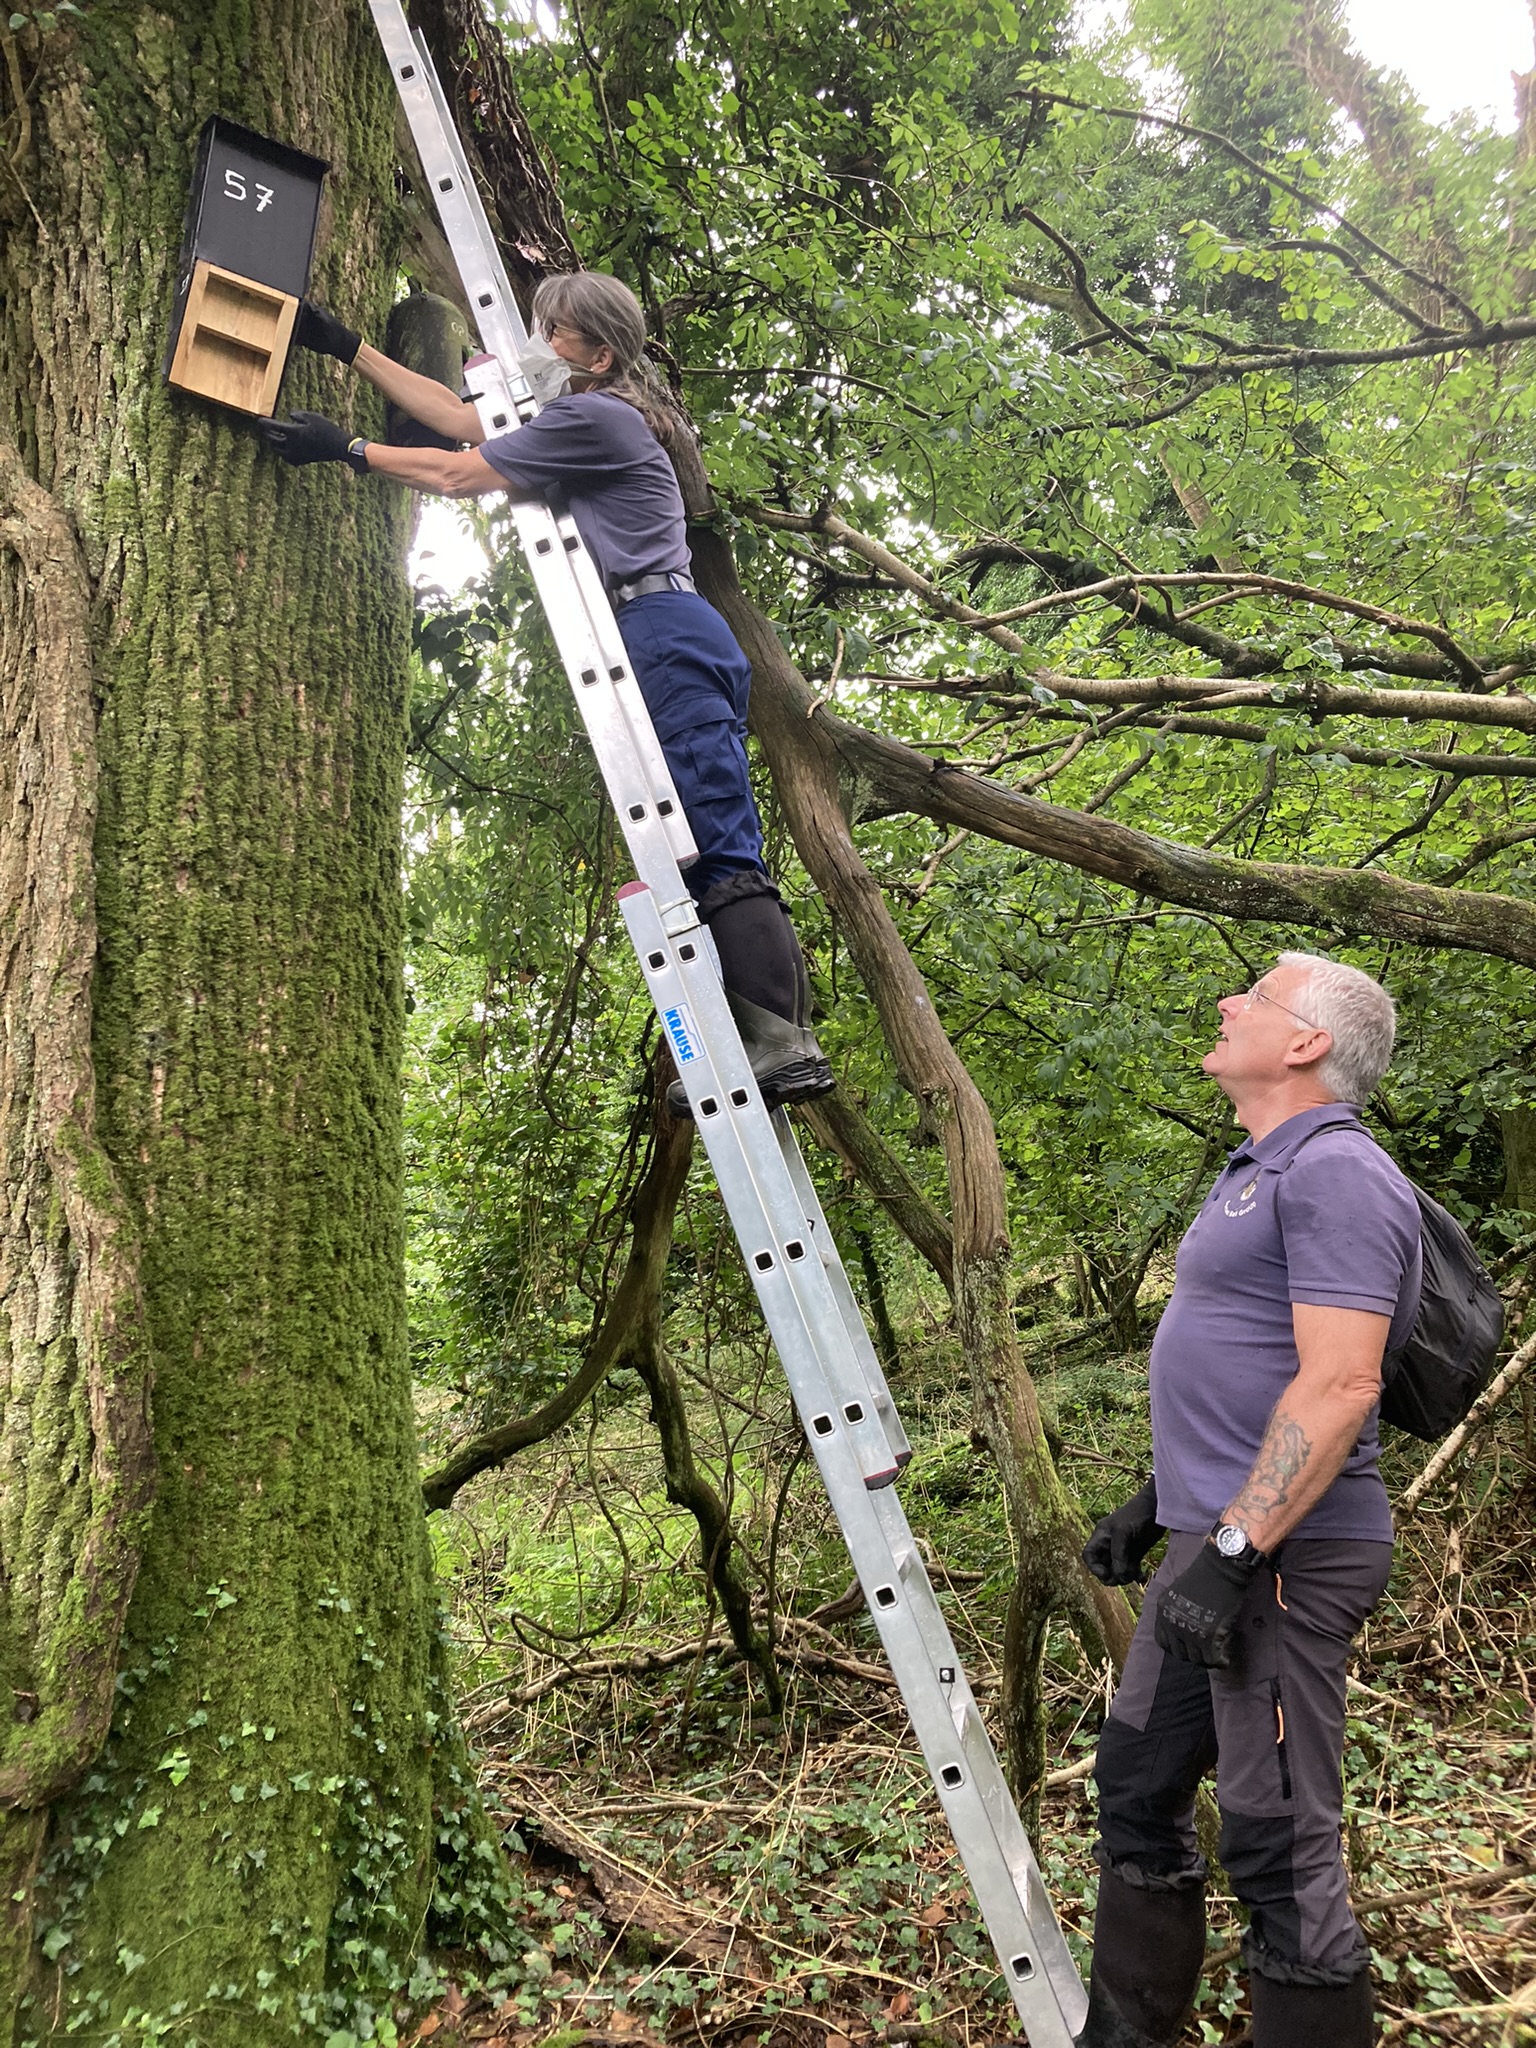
1246, 1203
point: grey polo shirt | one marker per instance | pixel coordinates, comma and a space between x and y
1331, 1222
598, 453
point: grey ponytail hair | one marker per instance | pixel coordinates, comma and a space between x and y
1356, 1012
605, 312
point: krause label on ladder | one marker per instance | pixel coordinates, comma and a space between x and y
683, 1033
245, 255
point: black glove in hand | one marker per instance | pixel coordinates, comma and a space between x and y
310, 437
323, 333
1113, 1553
1197, 1614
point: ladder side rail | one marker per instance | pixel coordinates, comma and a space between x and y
901, 1598
453, 187
970, 1727
1012, 1897
649, 811
605, 627
853, 1321
792, 1287
502, 304
923, 1660
804, 1302
583, 624
637, 803
502, 332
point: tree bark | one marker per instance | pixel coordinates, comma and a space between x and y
212, 1130
1045, 1521
517, 180
838, 1123
887, 776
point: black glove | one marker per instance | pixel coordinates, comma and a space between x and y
323, 332
1119, 1542
1197, 1614
310, 437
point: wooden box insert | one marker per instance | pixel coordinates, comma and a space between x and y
234, 340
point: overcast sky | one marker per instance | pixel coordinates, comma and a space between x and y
1454, 53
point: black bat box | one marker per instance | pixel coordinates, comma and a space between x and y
245, 256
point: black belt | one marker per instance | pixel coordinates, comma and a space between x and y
646, 586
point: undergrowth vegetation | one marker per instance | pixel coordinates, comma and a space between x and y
689, 1866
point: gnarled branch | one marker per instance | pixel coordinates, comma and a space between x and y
652, 1211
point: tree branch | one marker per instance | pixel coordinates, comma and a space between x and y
1311, 200
1083, 291
840, 1125
652, 1210
1482, 1408
1424, 760
1485, 849
893, 778
1471, 671
1239, 658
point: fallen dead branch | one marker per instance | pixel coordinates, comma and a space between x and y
633, 1898
1421, 1895
1482, 1408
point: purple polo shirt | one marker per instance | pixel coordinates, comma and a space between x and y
613, 473
1330, 1222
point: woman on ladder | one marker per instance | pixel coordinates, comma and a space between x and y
598, 449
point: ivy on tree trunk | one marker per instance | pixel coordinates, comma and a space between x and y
207, 1171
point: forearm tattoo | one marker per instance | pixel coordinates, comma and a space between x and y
1282, 1457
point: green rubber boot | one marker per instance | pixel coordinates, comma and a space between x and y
787, 1063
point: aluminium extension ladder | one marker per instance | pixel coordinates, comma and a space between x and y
828, 1360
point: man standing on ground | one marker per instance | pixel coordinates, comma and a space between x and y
1300, 1272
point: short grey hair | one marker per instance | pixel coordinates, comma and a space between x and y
1356, 1012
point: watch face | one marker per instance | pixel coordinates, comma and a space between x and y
1230, 1540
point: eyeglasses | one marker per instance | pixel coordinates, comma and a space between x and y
1257, 995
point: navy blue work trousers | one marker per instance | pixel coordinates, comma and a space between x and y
695, 679
1272, 1726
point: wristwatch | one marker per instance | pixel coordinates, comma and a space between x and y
357, 454
1234, 1545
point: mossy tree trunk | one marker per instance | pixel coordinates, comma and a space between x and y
213, 1187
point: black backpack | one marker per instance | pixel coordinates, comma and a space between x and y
1432, 1380
1428, 1386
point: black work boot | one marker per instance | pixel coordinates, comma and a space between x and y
1148, 1946
1107, 2027
769, 993
1312, 2015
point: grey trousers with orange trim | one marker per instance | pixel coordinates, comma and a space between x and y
1272, 1726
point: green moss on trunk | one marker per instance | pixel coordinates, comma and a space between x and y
255, 1840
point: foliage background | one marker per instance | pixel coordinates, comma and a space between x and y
855, 235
